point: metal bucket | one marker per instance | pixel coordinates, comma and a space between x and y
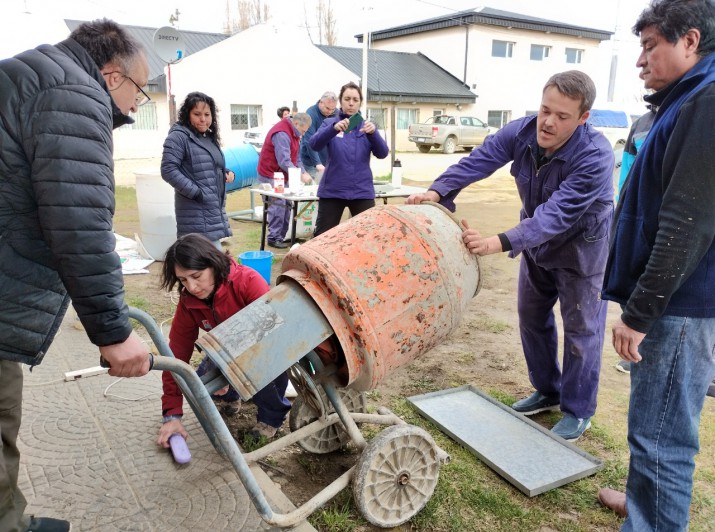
392, 282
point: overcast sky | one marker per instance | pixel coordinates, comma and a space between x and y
44, 24
353, 16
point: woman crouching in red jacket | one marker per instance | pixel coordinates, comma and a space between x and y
212, 287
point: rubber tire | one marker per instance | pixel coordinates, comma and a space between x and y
449, 146
396, 475
424, 148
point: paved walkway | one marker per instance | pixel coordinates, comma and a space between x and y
89, 454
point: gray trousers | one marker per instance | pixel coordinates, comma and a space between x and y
12, 502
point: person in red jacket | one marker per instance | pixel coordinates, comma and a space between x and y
212, 287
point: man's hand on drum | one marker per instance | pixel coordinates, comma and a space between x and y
479, 245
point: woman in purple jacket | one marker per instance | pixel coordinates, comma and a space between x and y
347, 180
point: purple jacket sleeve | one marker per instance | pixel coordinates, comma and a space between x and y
497, 150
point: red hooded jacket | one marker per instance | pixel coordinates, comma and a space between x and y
243, 286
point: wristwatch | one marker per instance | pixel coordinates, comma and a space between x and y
166, 419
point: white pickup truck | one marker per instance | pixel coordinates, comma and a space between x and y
447, 132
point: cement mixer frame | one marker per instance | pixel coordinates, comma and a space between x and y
378, 299
393, 479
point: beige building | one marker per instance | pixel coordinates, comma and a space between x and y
504, 58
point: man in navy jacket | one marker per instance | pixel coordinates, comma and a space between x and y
661, 267
563, 170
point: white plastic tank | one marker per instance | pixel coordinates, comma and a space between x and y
157, 219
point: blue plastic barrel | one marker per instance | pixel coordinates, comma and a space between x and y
242, 160
260, 261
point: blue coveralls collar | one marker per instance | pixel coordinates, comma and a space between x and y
527, 134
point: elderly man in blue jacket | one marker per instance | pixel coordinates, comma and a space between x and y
315, 161
563, 170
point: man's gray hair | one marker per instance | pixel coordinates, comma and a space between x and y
576, 85
108, 42
329, 96
302, 119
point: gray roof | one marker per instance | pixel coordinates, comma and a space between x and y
402, 77
489, 17
195, 41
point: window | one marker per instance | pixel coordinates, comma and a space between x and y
245, 116
574, 55
437, 112
405, 117
144, 118
377, 115
502, 48
498, 118
539, 52
466, 121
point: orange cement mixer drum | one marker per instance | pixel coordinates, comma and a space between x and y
392, 282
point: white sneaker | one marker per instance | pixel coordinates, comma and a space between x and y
290, 391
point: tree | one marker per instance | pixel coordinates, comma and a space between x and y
250, 13
326, 23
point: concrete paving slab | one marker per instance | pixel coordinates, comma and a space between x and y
89, 454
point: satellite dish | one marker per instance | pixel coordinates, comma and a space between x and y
169, 44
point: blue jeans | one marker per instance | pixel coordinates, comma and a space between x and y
278, 214
668, 390
270, 401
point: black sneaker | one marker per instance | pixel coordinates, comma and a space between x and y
48, 524
279, 245
537, 402
711, 389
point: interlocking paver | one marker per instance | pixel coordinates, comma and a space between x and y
89, 454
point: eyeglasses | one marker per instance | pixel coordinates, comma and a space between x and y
142, 97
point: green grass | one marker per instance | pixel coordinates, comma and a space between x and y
492, 325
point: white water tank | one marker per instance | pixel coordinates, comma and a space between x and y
157, 219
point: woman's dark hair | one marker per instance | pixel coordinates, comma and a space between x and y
192, 99
674, 18
194, 252
282, 110
107, 42
347, 86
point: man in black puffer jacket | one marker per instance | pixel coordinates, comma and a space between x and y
58, 108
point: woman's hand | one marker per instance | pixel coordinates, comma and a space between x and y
169, 428
342, 125
230, 176
368, 127
306, 178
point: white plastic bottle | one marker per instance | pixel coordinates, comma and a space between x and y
278, 182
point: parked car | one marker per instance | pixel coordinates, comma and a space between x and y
615, 125
256, 136
448, 132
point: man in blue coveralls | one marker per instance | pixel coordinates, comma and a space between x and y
563, 170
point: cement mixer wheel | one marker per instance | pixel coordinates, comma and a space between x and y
330, 438
396, 475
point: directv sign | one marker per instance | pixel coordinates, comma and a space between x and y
169, 44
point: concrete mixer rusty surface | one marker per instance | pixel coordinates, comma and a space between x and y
392, 282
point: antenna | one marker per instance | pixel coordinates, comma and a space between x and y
169, 44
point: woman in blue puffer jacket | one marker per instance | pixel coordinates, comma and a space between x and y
194, 165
